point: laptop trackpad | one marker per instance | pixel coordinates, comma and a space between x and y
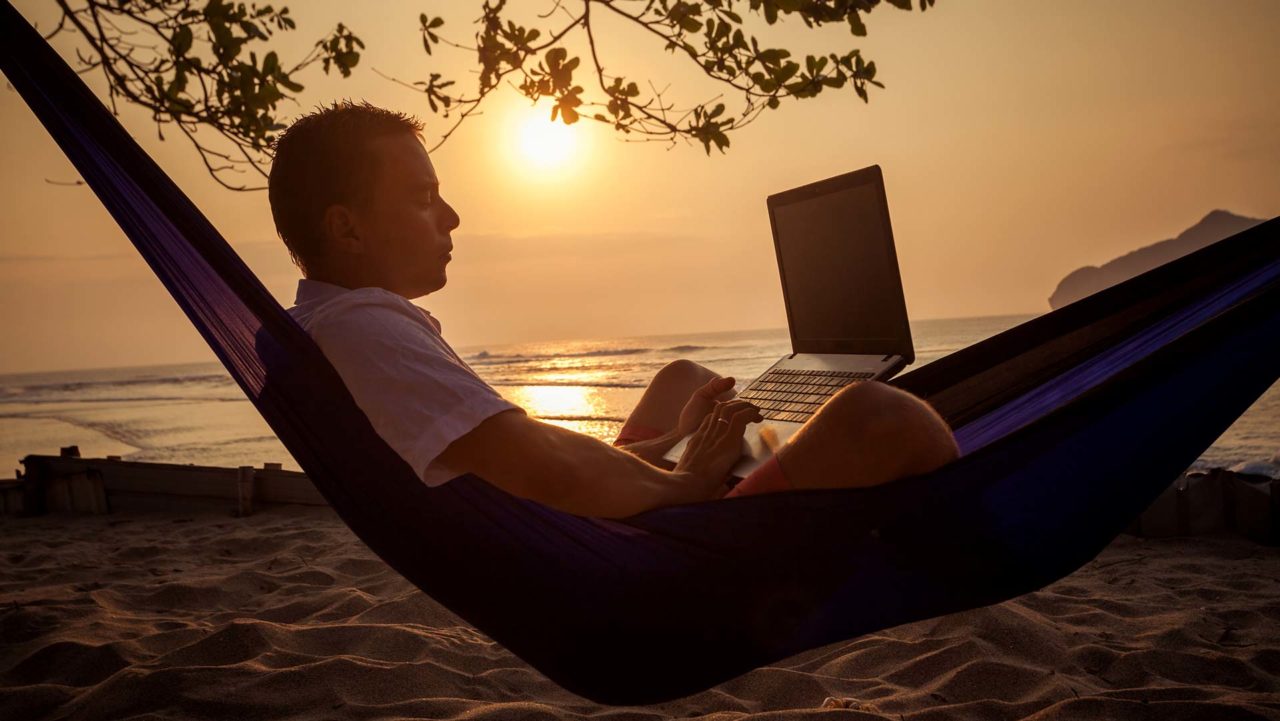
758, 445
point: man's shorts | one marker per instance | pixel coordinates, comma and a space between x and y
768, 478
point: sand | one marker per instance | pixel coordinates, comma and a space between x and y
285, 614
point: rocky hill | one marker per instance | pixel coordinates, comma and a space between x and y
1090, 279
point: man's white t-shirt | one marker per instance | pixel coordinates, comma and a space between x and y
418, 394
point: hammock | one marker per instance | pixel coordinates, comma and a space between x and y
1070, 425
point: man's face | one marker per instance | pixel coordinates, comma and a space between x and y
405, 224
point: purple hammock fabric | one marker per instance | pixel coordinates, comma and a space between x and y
1071, 424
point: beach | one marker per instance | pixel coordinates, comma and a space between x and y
286, 615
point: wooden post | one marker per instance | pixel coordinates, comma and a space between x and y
244, 486
1183, 506
1226, 481
1273, 488
12, 495
76, 493
34, 482
90, 494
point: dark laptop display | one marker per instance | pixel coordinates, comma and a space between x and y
839, 270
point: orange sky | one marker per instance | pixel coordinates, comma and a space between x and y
1019, 141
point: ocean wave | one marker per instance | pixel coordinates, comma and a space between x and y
610, 419
687, 348
487, 358
211, 445
764, 360
19, 400
88, 385
118, 432
567, 384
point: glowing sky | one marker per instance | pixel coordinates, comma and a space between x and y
1019, 141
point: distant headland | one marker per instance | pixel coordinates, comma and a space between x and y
1090, 279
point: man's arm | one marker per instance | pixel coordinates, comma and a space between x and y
567, 470
653, 449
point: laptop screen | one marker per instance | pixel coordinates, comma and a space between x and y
839, 269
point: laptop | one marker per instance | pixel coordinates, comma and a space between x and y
845, 307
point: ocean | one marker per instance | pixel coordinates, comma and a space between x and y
195, 413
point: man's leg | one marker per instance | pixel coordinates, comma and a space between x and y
659, 408
867, 434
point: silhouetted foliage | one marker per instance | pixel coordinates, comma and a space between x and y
211, 64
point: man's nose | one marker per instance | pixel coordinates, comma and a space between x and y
449, 219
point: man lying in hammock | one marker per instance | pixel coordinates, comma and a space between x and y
357, 201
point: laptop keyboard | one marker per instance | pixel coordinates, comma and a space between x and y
788, 394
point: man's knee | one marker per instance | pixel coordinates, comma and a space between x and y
905, 422
867, 403
684, 374
865, 435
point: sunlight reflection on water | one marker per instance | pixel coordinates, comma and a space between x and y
560, 402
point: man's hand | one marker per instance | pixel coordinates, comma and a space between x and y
701, 404
717, 443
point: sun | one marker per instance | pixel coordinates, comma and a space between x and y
546, 144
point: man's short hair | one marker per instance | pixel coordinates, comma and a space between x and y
323, 159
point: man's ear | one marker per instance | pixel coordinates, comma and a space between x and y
340, 227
